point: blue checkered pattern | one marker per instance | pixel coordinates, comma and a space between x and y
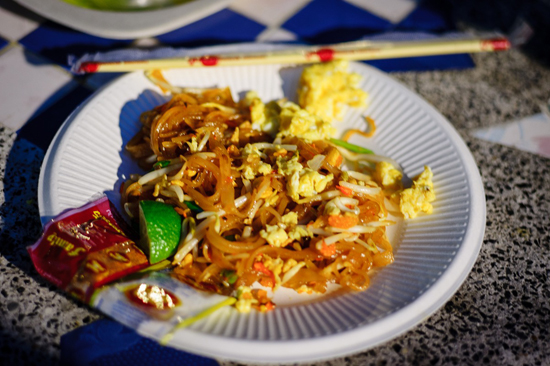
39, 92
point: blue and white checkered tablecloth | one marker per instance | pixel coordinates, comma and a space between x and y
37, 92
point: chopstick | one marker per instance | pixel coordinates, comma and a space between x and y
353, 51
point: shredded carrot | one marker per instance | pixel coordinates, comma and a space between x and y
270, 280
343, 221
259, 266
372, 130
328, 250
267, 282
267, 307
345, 191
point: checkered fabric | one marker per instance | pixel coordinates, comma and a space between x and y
37, 91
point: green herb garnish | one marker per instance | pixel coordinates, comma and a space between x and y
193, 206
229, 276
161, 164
351, 147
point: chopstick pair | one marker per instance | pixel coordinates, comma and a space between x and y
353, 51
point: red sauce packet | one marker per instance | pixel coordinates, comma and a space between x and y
85, 248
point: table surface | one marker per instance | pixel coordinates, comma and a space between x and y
500, 315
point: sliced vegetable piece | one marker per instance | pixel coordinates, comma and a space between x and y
160, 227
161, 164
351, 147
193, 207
230, 276
188, 321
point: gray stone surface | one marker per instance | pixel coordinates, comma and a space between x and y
500, 315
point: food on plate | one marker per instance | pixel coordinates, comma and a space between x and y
160, 227
267, 198
417, 198
326, 89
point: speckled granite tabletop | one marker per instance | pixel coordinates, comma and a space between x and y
500, 315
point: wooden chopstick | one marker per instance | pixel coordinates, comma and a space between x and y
361, 50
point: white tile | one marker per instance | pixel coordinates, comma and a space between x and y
276, 35
268, 12
16, 21
29, 85
392, 10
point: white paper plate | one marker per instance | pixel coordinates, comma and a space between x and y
124, 25
433, 254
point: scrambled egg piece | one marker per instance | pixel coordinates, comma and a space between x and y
275, 266
298, 232
295, 121
289, 166
278, 267
245, 299
285, 231
307, 183
274, 235
289, 264
272, 199
265, 117
252, 163
326, 88
290, 218
250, 149
284, 118
304, 289
417, 198
265, 169
331, 208
387, 176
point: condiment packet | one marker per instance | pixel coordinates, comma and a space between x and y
154, 303
85, 248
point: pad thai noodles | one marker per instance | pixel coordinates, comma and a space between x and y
262, 205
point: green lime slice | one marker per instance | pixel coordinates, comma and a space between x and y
160, 227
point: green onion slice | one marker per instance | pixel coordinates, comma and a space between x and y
351, 147
193, 206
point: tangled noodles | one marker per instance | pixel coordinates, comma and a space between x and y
277, 210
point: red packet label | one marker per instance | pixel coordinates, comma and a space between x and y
85, 248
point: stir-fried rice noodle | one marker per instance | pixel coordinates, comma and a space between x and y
258, 228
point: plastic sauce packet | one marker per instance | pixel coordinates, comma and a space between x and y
153, 303
85, 248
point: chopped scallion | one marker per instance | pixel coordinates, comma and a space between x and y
351, 147
229, 276
193, 206
161, 164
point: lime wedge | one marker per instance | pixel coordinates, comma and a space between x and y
160, 227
